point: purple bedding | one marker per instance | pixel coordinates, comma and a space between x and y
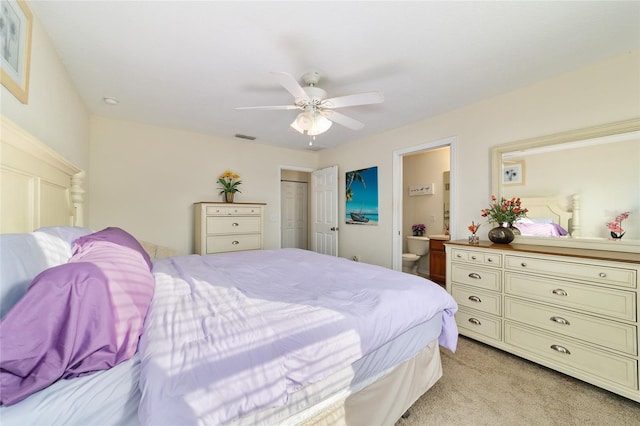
235, 333
76, 318
541, 229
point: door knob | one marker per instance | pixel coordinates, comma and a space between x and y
334, 228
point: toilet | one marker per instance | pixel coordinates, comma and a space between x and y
418, 247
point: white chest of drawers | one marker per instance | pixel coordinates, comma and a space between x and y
572, 310
223, 227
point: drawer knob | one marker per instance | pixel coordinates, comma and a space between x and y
236, 242
473, 257
560, 320
560, 349
523, 264
490, 259
474, 321
602, 275
475, 276
235, 224
560, 292
475, 299
458, 255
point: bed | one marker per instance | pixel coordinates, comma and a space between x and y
546, 217
281, 336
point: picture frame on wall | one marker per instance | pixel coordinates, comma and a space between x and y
361, 193
16, 23
513, 173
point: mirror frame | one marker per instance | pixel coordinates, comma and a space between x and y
620, 127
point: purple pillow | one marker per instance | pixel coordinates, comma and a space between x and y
77, 318
111, 235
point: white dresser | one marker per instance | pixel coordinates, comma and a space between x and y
222, 227
572, 310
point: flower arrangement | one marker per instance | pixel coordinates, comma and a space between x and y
473, 228
615, 226
229, 182
418, 229
505, 211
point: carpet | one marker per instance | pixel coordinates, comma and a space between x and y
482, 385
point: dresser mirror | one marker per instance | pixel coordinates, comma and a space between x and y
581, 180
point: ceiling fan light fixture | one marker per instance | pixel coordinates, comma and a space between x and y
311, 123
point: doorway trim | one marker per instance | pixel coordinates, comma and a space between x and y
398, 192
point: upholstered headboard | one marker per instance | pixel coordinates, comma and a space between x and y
38, 187
549, 207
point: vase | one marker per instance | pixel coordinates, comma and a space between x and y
501, 235
515, 230
474, 239
228, 197
418, 233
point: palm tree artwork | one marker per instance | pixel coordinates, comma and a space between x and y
361, 193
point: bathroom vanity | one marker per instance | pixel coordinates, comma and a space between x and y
437, 259
573, 310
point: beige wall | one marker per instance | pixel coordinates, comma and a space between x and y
55, 113
145, 179
601, 93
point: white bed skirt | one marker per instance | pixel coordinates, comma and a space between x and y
387, 399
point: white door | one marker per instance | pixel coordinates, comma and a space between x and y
324, 210
294, 214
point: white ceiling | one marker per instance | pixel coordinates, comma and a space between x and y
188, 65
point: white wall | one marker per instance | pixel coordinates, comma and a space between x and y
601, 93
145, 179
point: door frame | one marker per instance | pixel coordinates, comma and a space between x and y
398, 192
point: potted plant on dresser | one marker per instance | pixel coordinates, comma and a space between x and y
229, 182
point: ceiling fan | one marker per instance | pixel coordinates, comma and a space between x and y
318, 112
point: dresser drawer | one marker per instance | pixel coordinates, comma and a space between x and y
568, 355
481, 300
478, 323
476, 276
224, 243
593, 273
589, 298
609, 334
233, 225
233, 210
474, 256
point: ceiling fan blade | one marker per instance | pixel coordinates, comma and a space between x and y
272, 107
342, 119
353, 100
290, 83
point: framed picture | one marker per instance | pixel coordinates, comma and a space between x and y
15, 47
513, 173
361, 191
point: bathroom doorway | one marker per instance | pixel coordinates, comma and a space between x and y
428, 189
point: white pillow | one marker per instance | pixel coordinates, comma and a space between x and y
23, 256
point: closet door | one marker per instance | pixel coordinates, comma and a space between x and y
294, 214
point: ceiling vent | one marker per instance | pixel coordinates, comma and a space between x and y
241, 136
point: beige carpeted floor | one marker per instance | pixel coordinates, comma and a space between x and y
485, 386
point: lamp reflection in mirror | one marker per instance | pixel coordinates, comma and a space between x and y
311, 123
